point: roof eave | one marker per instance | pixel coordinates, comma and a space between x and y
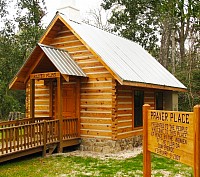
154, 86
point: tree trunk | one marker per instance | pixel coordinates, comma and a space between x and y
173, 52
165, 43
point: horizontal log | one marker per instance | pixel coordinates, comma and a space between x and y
125, 111
39, 107
107, 96
84, 58
92, 63
129, 134
124, 106
80, 53
98, 115
64, 33
96, 84
41, 97
101, 90
39, 91
95, 102
67, 44
42, 102
122, 100
68, 38
125, 118
96, 133
94, 69
96, 126
96, 120
124, 129
97, 74
124, 123
75, 48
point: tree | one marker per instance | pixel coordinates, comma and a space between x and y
135, 20
14, 49
176, 22
99, 18
3, 7
29, 24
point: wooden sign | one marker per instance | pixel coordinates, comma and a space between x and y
47, 75
171, 134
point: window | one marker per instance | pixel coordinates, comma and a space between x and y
138, 103
159, 100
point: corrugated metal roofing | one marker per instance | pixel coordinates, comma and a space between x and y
125, 58
62, 61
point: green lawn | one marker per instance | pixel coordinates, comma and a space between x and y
63, 166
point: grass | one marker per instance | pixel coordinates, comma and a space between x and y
62, 166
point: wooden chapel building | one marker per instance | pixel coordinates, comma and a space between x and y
79, 71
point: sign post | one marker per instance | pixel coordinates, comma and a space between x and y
146, 152
197, 141
171, 134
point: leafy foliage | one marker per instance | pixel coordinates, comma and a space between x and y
169, 30
15, 47
135, 20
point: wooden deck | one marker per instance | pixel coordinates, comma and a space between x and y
28, 136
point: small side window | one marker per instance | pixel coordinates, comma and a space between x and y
138, 103
159, 100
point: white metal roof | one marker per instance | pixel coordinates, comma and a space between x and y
62, 61
125, 58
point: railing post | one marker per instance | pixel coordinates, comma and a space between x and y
44, 139
59, 110
32, 99
196, 141
146, 152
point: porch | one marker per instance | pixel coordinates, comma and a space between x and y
27, 136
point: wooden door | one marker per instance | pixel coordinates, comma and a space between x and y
69, 101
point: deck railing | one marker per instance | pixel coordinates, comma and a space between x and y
70, 128
24, 121
28, 136
5, 124
24, 134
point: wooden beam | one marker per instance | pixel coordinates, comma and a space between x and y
196, 141
20, 153
66, 77
49, 28
78, 105
59, 113
146, 152
46, 75
71, 142
33, 67
12, 83
32, 99
51, 99
152, 86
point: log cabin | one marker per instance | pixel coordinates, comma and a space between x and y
80, 71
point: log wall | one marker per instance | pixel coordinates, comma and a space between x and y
96, 90
125, 109
106, 107
41, 99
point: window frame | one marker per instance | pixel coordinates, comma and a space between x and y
134, 109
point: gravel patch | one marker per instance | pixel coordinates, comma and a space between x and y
118, 156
